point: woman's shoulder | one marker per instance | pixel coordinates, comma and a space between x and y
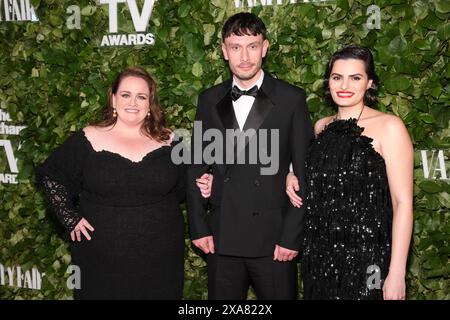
74, 138
386, 129
73, 146
322, 123
89, 129
92, 130
96, 134
393, 128
385, 122
390, 120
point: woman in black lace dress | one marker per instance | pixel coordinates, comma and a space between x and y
358, 221
127, 228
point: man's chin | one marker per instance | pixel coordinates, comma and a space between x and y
246, 76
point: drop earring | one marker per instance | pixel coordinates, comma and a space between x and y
114, 112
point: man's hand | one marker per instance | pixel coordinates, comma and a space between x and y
206, 244
283, 254
204, 183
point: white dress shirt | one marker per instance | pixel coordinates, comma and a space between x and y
243, 105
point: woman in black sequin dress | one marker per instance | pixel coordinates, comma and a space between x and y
358, 221
129, 190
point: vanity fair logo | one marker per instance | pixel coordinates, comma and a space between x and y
434, 165
140, 23
14, 276
254, 3
373, 12
17, 10
7, 156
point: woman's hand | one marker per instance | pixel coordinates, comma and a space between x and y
81, 228
204, 183
394, 287
291, 187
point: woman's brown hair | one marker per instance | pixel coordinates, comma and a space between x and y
154, 126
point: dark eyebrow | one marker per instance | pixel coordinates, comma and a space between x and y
240, 45
352, 75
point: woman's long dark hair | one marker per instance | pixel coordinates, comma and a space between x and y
154, 126
359, 53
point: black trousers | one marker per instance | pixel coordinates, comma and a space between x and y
229, 278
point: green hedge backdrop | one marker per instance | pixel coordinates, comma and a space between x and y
54, 80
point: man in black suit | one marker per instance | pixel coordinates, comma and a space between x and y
251, 234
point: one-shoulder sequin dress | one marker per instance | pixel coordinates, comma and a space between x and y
347, 236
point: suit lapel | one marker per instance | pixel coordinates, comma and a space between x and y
226, 112
259, 111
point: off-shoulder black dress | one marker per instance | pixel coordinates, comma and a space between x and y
347, 243
137, 248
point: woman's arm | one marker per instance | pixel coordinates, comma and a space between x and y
398, 153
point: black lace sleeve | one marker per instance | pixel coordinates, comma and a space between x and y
60, 177
60, 202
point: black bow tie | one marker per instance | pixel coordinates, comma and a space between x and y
236, 93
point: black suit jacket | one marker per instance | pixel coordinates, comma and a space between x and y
250, 212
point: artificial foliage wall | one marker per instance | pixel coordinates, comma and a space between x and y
57, 60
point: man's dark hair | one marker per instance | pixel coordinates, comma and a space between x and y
244, 24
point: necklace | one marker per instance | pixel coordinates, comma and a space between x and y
360, 113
